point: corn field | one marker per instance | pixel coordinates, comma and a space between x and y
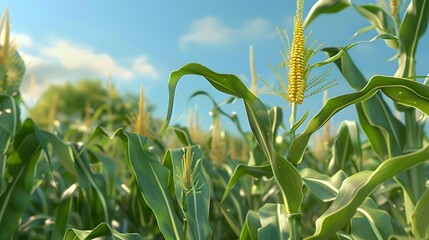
141, 178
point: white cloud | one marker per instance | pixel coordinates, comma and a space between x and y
210, 31
59, 60
75, 57
22, 40
142, 66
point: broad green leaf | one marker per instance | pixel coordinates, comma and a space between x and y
322, 186
251, 226
370, 222
412, 28
21, 166
357, 187
232, 222
241, 170
286, 175
384, 21
183, 135
197, 197
403, 91
347, 143
88, 180
63, 151
8, 117
325, 6
152, 180
419, 217
103, 231
374, 114
274, 222
63, 212
326, 188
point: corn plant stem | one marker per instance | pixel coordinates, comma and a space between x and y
292, 121
3, 158
294, 229
413, 143
294, 218
185, 210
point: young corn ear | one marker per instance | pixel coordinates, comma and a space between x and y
296, 58
188, 179
12, 67
394, 7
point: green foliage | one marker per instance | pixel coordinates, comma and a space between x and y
62, 182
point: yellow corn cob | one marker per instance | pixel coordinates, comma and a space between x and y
297, 59
394, 7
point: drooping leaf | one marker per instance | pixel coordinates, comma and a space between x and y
103, 231
241, 170
403, 91
323, 7
381, 19
322, 186
285, 173
357, 187
375, 116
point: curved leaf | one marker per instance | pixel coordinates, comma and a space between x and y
383, 20
198, 200
412, 28
403, 91
102, 230
375, 116
419, 217
152, 180
274, 223
251, 226
323, 7
63, 212
21, 166
241, 170
286, 175
357, 187
347, 143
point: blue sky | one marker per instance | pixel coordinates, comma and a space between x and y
141, 42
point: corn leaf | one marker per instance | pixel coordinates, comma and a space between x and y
374, 114
21, 165
374, 222
412, 28
357, 187
242, 170
103, 231
323, 7
370, 222
419, 217
322, 186
274, 223
381, 19
251, 226
63, 212
198, 199
286, 175
152, 180
402, 91
347, 143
